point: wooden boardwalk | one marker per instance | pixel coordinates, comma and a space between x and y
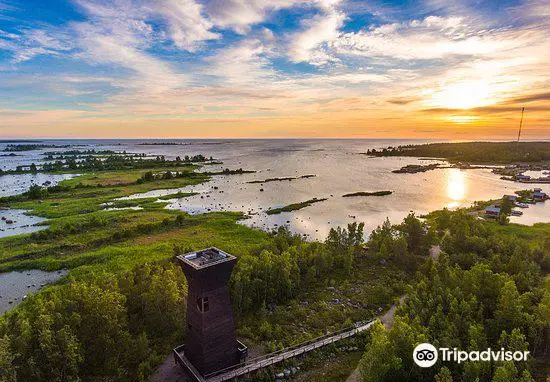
273, 358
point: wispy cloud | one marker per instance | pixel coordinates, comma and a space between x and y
431, 38
29, 43
240, 14
183, 20
309, 45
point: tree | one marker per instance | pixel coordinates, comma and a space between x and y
379, 361
505, 373
505, 210
148, 177
444, 375
526, 377
415, 232
35, 192
33, 168
381, 240
7, 357
509, 309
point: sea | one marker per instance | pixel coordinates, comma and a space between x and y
339, 166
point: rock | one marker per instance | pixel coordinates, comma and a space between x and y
279, 375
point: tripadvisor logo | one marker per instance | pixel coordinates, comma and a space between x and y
426, 355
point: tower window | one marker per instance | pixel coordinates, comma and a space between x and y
202, 304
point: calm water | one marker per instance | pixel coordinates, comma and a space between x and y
14, 286
340, 167
20, 223
17, 184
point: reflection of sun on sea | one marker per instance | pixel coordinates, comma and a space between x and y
456, 187
462, 118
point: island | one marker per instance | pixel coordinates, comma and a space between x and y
295, 206
280, 179
472, 152
415, 168
375, 193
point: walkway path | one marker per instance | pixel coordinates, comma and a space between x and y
388, 318
270, 359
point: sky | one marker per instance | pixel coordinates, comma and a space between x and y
274, 68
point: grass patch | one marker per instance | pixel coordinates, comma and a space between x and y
294, 206
375, 193
290, 178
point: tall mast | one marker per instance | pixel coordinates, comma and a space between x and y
520, 122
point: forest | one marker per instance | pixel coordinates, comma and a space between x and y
101, 161
488, 288
473, 152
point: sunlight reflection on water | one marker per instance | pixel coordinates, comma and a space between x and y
456, 187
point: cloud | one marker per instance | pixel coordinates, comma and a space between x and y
309, 44
431, 38
185, 21
240, 14
244, 63
5, 9
485, 110
402, 100
532, 98
185, 24
29, 43
533, 10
